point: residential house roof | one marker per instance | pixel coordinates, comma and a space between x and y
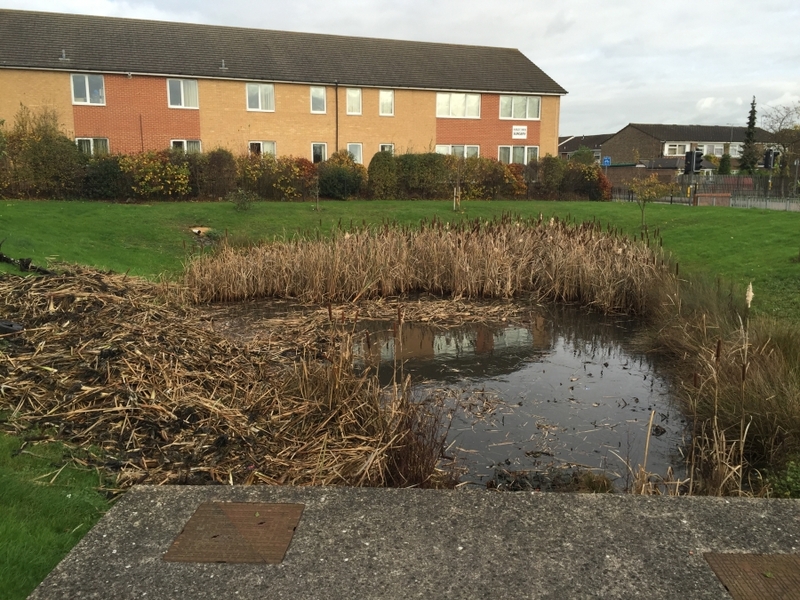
573, 143
700, 133
35, 40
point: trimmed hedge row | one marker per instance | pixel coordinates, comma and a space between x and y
38, 161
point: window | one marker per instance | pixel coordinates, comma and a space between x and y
188, 146
353, 101
319, 153
387, 148
182, 93
261, 96
458, 150
261, 148
519, 107
355, 150
318, 100
386, 103
88, 89
92, 146
736, 150
522, 155
714, 149
464, 106
676, 149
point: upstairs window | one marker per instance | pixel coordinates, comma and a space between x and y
262, 148
676, 149
386, 103
459, 106
88, 89
318, 100
182, 93
92, 146
261, 96
520, 107
353, 101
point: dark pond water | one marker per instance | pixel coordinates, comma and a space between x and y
565, 388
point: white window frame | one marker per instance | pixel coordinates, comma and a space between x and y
386, 148
260, 108
528, 150
440, 97
448, 149
357, 95
360, 158
324, 99
261, 150
85, 77
676, 149
324, 146
390, 95
184, 145
92, 144
183, 83
527, 117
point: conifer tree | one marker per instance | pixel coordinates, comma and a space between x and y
748, 161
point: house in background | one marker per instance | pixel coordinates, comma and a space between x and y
567, 146
125, 85
645, 142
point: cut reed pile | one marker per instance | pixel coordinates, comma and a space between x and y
110, 363
550, 260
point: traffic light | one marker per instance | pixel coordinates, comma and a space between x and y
688, 165
769, 157
698, 161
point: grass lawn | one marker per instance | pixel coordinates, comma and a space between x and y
45, 512
739, 245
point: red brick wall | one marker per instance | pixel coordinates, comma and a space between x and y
136, 116
488, 132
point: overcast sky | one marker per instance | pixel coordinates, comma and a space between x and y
622, 61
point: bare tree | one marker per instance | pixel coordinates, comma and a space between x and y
783, 122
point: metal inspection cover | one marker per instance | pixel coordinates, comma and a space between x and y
236, 532
758, 576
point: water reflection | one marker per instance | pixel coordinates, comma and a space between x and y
562, 388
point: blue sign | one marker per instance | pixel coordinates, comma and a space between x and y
606, 161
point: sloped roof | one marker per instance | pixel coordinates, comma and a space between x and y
35, 40
573, 143
699, 133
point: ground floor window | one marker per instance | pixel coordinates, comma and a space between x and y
355, 151
261, 148
462, 151
92, 146
188, 146
522, 155
319, 152
387, 148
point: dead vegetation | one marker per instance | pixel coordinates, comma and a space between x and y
110, 363
551, 261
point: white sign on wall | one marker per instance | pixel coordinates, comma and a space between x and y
519, 132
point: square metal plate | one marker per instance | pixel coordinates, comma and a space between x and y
236, 532
758, 576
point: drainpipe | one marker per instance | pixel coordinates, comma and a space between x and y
336, 108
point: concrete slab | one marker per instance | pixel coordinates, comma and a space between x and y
355, 543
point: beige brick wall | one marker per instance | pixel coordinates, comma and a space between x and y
551, 114
226, 122
36, 90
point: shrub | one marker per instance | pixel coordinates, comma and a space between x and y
242, 199
340, 177
155, 175
383, 176
42, 161
424, 175
219, 178
105, 179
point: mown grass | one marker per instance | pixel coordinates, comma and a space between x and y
738, 245
44, 511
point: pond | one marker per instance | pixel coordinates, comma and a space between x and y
563, 389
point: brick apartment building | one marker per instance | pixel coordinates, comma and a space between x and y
125, 85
